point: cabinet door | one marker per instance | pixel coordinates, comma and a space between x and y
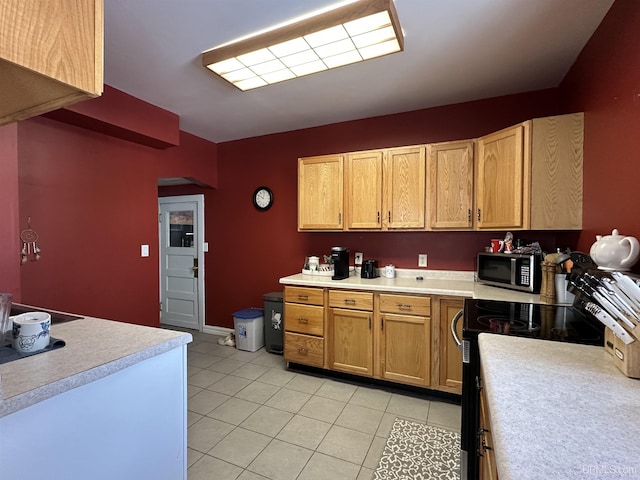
503, 180
556, 172
404, 188
450, 185
320, 181
450, 371
351, 341
363, 190
405, 348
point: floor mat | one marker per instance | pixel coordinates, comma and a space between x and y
415, 451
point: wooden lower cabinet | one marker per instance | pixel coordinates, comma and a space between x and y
449, 356
351, 341
305, 349
405, 348
304, 326
389, 336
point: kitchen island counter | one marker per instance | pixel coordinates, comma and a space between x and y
559, 410
111, 403
94, 349
434, 282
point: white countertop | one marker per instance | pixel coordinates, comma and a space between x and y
559, 410
435, 282
94, 349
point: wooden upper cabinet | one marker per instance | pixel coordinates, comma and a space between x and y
502, 180
556, 172
51, 55
320, 192
363, 190
450, 185
529, 177
404, 188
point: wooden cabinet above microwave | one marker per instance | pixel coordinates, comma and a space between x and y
51, 55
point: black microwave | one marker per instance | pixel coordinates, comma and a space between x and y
510, 270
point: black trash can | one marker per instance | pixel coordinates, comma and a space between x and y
273, 322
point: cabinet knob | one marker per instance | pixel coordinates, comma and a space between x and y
303, 351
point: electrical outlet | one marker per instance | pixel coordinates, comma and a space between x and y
358, 258
422, 259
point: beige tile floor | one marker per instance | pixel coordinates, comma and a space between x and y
249, 418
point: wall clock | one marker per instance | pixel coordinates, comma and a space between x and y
263, 198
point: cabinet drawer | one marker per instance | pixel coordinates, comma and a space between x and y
308, 296
405, 304
304, 349
304, 319
348, 299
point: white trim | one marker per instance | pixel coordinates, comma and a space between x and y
213, 330
199, 200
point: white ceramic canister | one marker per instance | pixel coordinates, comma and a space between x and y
31, 331
389, 271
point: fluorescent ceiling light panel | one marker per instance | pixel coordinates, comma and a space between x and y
351, 32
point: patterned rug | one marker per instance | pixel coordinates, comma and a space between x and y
415, 451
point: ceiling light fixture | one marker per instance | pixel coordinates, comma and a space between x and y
344, 34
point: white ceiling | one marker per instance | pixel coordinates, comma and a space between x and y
455, 51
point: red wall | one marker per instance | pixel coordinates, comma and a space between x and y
92, 200
605, 83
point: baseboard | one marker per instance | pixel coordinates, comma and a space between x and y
213, 330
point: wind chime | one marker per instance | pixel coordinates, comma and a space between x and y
29, 244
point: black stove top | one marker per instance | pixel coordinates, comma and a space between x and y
561, 323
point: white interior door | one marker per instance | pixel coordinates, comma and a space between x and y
181, 261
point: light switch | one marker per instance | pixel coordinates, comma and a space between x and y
205, 247
144, 250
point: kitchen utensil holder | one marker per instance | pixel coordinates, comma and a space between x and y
548, 282
625, 357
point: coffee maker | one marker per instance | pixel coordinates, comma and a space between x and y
340, 257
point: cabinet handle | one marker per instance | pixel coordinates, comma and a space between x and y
350, 301
303, 297
478, 214
303, 351
469, 215
378, 217
382, 324
404, 306
389, 216
339, 219
369, 323
303, 320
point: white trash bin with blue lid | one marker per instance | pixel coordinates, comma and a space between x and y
249, 327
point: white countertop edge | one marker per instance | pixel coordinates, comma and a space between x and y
23, 400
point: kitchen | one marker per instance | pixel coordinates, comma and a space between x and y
94, 258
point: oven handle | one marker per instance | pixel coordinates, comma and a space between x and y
454, 326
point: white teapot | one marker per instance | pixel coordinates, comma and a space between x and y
615, 251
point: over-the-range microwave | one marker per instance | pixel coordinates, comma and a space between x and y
510, 270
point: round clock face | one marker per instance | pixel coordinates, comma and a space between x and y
263, 198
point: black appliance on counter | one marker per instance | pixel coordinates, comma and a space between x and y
369, 269
560, 323
340, 258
